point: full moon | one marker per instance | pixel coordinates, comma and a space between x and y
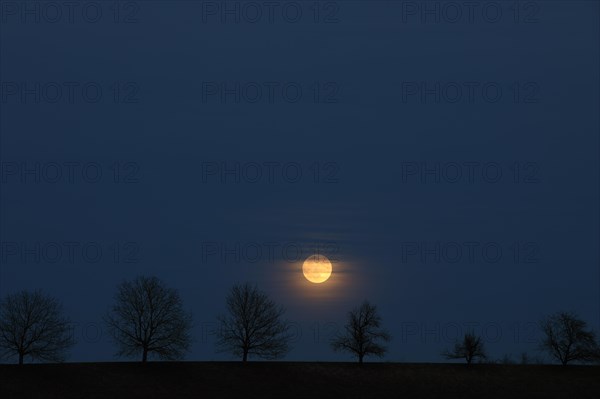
317, 269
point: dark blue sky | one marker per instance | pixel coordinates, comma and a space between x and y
445, 158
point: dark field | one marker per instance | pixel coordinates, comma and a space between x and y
296, 380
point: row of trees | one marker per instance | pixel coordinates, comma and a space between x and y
565, 337
148, 318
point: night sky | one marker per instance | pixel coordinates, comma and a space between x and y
444, 158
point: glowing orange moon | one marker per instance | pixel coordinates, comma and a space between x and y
317, 269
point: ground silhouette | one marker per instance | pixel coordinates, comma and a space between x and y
296, 380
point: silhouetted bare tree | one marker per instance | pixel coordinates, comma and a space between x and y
32, 324
253, 325
148, 317
469, 349
363, 335
567, 339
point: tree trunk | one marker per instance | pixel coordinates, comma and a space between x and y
245, 357
20, 358
360, 358
145, 355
